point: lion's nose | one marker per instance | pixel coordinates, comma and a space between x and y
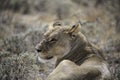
38, 50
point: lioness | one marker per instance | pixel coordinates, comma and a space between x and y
77, 59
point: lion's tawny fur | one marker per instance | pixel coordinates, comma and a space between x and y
77, 58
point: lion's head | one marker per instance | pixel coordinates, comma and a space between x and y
57, 41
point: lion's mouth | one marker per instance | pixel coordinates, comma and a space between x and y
46, 57
50, 57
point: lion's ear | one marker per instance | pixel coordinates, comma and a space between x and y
55, 24
75, 28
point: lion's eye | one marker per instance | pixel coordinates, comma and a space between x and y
53, 40
73, 36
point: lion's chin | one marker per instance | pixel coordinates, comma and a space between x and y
47, 57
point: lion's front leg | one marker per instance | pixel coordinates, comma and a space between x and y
64, 71
68, 70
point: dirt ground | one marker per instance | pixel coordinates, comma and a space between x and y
23, 22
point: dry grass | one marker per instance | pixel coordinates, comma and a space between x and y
22, 24
22, 67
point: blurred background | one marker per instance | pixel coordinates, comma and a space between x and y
23, 22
